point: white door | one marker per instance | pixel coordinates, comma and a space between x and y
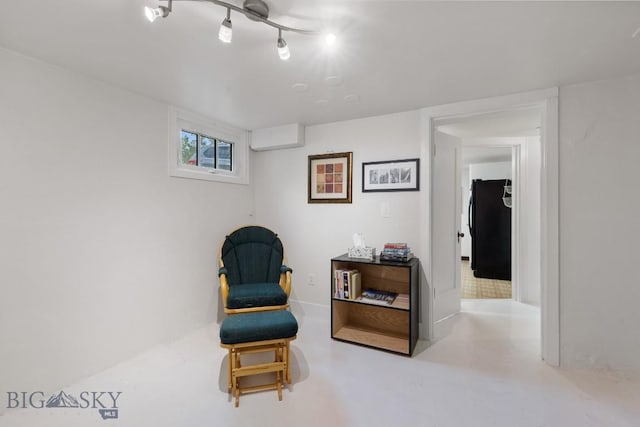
446, 208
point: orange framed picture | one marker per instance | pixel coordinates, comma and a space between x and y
330, 178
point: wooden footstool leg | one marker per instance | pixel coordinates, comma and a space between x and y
236, 378
229, 370
279, 385
286, 363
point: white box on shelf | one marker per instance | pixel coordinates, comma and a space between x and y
362, 253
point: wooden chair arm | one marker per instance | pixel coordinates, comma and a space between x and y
224, 289
285, 282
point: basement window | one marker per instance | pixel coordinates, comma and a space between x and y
202, 151
201, 148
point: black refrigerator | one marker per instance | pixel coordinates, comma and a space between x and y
490, 228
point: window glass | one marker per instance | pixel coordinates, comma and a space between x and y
188, 148
206, 153
224, 154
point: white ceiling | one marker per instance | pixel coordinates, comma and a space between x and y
393, 55
471, 155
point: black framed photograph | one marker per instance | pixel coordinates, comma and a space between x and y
330, 178
391, 175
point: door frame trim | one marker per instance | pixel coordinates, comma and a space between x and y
547, 101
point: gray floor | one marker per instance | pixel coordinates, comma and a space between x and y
486, 373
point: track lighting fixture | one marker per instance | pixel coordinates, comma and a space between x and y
256, 10
226, 31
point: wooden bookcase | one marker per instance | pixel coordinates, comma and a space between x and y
393, 327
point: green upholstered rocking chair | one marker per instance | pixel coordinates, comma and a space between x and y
253, 275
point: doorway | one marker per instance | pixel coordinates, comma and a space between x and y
487, 222
501, 163
439, 321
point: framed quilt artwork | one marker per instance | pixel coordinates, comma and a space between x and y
330, 178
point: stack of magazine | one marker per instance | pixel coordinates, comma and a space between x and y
374, 296
396, 252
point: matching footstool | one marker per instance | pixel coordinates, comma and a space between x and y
257, 333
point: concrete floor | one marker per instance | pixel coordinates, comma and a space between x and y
486, 373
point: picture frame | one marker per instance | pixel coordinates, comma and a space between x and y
330, 178
391, 175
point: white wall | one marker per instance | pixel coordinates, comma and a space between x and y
314, 233
527, 192
493, 170
102, 255
599, 227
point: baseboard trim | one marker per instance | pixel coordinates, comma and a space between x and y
303, 308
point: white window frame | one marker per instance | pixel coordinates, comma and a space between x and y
180, 119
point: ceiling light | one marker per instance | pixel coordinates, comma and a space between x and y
154, 13
226, 33
330, 39
283, 49
255, 10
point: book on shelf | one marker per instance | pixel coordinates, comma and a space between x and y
337, 284
402, 301
402, 298
346, 284
354, 284
396, 257
374, 296
395, 246
396, 251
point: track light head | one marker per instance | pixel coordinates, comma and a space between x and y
154, 13
226, 30
283, 49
